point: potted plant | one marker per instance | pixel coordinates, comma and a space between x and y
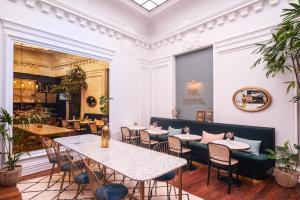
287, 158
104, 106
10, 175
282, 52
71, 86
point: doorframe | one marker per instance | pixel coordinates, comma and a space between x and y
10, 33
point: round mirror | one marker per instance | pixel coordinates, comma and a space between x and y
251, 99
91, 101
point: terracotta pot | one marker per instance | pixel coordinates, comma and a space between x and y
10, 178
285, 179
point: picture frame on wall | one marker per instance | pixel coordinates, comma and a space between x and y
200, 116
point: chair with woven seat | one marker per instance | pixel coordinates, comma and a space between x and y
78, 128
146, 140
219, 156
177, 149
47, 144
94, 129
163, 147
77, 169
101, 190
128, 137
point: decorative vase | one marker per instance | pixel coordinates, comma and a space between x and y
105, 137
286, 179
10, 177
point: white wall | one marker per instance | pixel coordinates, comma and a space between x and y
232, 35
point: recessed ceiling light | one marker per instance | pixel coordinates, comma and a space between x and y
149, 5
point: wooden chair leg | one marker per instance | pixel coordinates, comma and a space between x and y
208, 174
77, 193
61, 184
51, 173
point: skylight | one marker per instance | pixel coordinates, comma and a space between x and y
149, 4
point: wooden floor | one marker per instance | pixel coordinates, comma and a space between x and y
195, 182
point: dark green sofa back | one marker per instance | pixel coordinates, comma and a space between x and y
266, 135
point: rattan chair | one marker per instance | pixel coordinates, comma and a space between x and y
65, 124
51, 154
77, 169
78, 128
163, 147
146, 140
177, 149
219, 156
94, 129
128, 137
101, 190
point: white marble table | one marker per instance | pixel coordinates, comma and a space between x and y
233, 145
188, 137
157, 132
136, 128
134, 162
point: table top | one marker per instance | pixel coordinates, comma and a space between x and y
157, 132
87, 122
73, 120
188, 137
135, 162
233, 145
45, 130
137, 128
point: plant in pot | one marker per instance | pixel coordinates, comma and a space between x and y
286, 158
104, 106
10, 175
71, 86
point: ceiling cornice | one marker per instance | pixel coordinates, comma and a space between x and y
112, 29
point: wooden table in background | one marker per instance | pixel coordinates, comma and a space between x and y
45, 130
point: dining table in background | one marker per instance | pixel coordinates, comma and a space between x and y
137, 163
45, 130
187, 138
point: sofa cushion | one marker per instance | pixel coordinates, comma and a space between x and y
173, 131
208, 137
254, 145
250, 156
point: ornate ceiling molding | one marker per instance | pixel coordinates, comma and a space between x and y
85, 20
220, 18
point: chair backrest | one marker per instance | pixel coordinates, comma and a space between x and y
76, 163
64, 123
47, 144
125, 132
60, 156
219, 152
95, 171
76, 125
175, 144
145, 137
162, 147
93, 128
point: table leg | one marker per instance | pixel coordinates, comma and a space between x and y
180, 183
142, 190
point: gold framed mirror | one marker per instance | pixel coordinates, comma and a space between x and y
251, 99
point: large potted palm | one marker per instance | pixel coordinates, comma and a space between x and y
71, 86
281, 55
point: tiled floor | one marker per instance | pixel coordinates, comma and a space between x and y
36, 189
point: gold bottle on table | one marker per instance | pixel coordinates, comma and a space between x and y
105, 137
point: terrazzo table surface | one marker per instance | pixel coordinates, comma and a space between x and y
137, 163
188, 137
233, 145
157, 132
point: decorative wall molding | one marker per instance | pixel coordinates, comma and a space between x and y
220, 18
85, 20
244, 40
